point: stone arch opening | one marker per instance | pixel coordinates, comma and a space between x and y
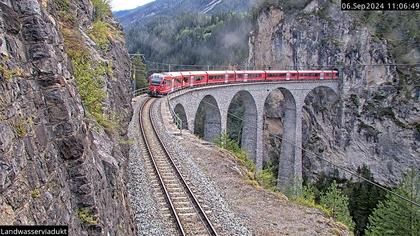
207, 123
242, 122
279, 136
321, 130
180, 112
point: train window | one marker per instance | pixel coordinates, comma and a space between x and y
254, 75
186, 79
156, 79
240, 76
198, 78
310, 74
214, 77
277, 75
231, 76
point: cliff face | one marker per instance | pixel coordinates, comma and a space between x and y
375, 118
58, 164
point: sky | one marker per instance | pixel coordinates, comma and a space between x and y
118, 5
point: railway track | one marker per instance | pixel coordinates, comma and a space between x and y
180, 208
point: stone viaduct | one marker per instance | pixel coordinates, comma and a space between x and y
216, 100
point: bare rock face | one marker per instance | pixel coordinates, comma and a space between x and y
375, 118
57, 164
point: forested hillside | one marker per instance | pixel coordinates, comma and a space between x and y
178, 7
193, 39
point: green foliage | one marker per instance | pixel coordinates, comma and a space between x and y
399, 29
235, 118
100, 34
308, 198
192, 39
8, 74
36, 193
355, 99
267, 178
395, 216
89, 77
62, 5
20, 128
363, 198
102, 9
139, 72
223, 141
85, 215
64, 11
335, 200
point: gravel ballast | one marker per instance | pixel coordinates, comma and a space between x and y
146, 214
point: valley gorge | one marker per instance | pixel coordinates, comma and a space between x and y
71, 149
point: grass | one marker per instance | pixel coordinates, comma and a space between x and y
85, 215
36, 193
6, 73
89, 77
20, 129
100, 34
265, 178
102, 9
307, 198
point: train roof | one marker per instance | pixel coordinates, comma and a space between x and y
183, 73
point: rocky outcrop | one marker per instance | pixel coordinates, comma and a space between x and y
58, 164
375, 118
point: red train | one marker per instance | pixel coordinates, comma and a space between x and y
165, 83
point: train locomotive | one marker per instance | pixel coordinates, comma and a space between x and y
161, 84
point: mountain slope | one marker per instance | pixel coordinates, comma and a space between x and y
177, 7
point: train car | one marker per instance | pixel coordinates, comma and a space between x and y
277, 75
216, 77
160, 84
330, 74
250, 75
309, 74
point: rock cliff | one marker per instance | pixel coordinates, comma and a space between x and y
64, 111
375, 118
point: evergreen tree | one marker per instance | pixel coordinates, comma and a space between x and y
395, 216
335, 200
139, 72
363, 198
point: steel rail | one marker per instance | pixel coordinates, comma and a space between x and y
203, 217
168, 198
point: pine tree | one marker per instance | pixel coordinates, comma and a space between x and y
335, 200
395, 216
139, 72
363, 198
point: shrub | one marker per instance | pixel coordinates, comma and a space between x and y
36, 193
88, 77
100, 34
267, 179
102, 8
308, 198
20, 128
85, 215
335, 200
225, 142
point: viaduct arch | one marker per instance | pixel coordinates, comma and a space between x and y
216, 100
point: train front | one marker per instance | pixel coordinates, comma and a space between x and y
155, 85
